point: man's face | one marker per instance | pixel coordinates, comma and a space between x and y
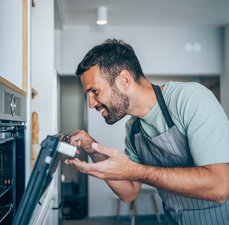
109, 101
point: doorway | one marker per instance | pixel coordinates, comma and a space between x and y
72, 117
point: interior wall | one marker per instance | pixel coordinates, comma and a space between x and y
74, 187
72, 106
72, 115
43, 74
161, 50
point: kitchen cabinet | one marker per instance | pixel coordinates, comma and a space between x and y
14, 43
14, 55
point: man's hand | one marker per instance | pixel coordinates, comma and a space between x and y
116, 167
83, 141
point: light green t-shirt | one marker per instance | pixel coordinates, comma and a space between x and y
197, 114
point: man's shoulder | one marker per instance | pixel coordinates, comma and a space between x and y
183, 92
183, 86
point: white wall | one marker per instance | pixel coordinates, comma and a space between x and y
43, 75
161, 50
225, 76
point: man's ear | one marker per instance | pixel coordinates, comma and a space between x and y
124, 80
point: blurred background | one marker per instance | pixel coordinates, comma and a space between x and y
173, 39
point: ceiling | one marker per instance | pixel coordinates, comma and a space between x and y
143, 12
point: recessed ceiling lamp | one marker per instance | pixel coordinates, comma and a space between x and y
101, 15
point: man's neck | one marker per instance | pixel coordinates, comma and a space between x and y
142, 99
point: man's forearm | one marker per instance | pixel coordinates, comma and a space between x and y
126, 190
209, 182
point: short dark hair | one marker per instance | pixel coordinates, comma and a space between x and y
112, 57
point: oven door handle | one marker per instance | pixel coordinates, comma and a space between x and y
3, 141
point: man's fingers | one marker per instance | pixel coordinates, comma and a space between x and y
102, 149
74, 138
76, 163
80, 165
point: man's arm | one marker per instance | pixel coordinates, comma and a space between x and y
126, 190
209, 182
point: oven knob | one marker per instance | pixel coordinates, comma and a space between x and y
13, 105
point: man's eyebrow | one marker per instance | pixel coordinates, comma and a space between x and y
89, 89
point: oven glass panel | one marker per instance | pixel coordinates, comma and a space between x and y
6, 163
7, 178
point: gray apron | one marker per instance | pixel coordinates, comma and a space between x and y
171, 149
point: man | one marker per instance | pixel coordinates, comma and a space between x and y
176, 140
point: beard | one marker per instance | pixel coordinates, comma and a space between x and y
116, 107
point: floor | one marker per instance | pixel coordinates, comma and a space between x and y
140, 220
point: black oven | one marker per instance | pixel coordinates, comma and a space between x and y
12, 152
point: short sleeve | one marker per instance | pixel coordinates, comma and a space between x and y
129, 148
207, 127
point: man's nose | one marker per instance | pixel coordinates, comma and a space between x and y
92, 102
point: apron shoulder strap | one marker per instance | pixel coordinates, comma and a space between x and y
162, 105
134, 130
136, 124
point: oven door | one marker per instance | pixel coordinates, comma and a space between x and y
7, 179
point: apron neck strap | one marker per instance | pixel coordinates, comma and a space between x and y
162, 105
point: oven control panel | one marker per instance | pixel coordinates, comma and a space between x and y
14, 105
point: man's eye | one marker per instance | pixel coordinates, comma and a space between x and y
96, 92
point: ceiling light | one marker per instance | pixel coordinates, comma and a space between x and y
101, 15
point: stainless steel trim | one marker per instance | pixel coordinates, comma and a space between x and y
2, 141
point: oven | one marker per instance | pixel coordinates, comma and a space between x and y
12, 152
